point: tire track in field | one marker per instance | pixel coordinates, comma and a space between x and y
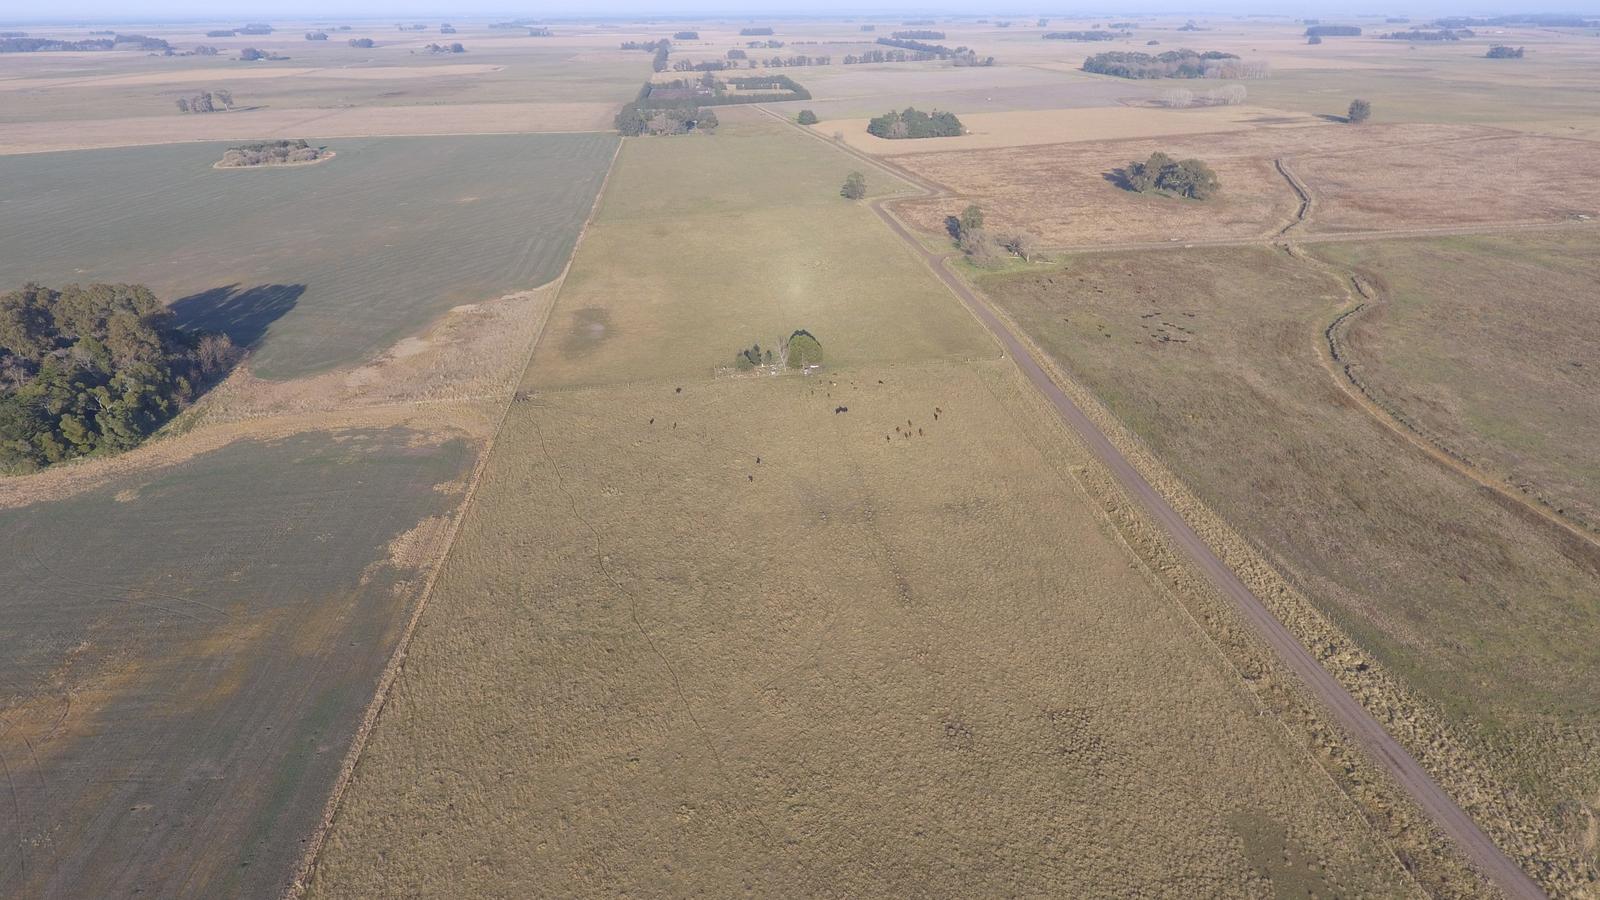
1382, 747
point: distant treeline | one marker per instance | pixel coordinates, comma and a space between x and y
938, 50
918, 35
1444, 34
685, 36
1080, 36
914, 123
1173, 64
45, 45
363, 43
93, 370
1546, 20
256, 28
1333, 31
754, 32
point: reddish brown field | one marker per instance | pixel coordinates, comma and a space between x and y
1376, 177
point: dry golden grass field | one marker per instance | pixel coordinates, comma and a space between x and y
861, 632
471, 585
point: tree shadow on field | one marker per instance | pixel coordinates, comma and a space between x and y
1331, 117
242, 314
1118, 177
952, 224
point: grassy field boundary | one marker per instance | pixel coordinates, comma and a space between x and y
396, 665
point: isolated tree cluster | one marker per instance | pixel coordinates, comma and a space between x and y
1360, 111
206, 101
270, 153
855, 186
914, 123
94, 369
799, 350
982, 247
1162, 174
1501, 51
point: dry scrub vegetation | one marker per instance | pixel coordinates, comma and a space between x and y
1486, 617
860, 632
1486, 344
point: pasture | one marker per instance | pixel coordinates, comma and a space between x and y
1488, 617
859, 632
323, 265
1486, 344
190, 650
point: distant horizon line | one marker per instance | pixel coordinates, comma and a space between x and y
645, 17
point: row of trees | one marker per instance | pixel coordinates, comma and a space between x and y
206, 101
918, 35
1162, 174
1173, 64
1318, 30
25, 44
443, 48
1501, 51
1443, 34
914, 123
94, 370
1080, 36
635, 120
1183, 98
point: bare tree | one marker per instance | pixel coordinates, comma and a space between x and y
226, 98
1178, 98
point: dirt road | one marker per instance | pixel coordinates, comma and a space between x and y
1348, 711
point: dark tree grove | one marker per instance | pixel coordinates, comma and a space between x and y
90, 370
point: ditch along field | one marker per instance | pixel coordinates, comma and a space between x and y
1486, 345
1474, 622
870, 631
324, 265
199, 626
1374, 177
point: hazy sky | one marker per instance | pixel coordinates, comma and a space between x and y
267, 10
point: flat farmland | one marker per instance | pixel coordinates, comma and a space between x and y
324, 265
1486, 344
860, 632
1495, 177
990, 130
1371, 177
36, 88
1490, 618
190, 651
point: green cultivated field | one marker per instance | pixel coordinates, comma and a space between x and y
188, 653
331, 262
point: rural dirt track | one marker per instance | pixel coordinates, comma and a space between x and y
1346, 709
